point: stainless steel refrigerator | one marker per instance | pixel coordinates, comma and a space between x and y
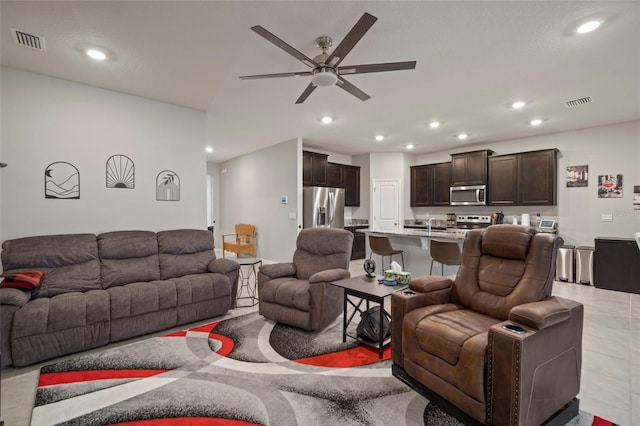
322, 207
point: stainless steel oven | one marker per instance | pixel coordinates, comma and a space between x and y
474, 195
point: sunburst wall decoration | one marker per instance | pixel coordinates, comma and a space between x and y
121, 172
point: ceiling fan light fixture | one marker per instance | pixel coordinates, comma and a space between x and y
324, 76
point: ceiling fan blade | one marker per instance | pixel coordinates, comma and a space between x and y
283, 74
284, 46
354, 36
388, 66
310, 88
344, 84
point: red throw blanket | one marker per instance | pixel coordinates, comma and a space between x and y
26, 280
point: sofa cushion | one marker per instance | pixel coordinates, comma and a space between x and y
201, 287
49, 327
69, 262
140, 298
184, 251
127, 257
289, 292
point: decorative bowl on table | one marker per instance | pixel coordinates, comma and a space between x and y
389, 282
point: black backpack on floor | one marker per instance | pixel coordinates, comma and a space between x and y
369, 326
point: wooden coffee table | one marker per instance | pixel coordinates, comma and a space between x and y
368, 290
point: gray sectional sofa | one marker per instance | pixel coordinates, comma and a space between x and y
104, 288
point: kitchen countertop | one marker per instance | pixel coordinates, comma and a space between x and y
417, 233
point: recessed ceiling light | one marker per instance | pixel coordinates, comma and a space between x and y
96, 54
409, 146
536, 122
208, 149
463, 136
518, 104
326, 119
587, 27
434, 124
379, 137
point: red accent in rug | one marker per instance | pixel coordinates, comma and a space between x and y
183, 421
597, 421
360, 355
48, 379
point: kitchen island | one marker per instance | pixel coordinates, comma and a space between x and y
415, 244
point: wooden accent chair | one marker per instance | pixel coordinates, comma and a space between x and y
492, 345
243, 242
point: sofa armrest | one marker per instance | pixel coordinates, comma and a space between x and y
423, 291
14, 297
223, 266
329, 275
542, 314
523, 366
278, 270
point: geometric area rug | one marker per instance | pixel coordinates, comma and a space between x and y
241, 371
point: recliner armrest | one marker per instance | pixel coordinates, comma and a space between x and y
14, 296
542, 314
223, 266
278, 270
329, 275
429, 283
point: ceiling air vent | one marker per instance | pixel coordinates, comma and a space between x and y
33, 41
579, 101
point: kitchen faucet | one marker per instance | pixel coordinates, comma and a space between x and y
429, 225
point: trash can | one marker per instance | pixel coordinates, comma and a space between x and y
584, 265
564, 264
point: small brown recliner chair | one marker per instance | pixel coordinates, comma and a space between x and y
299, 293
492, 346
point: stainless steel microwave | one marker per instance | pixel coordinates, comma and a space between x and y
474, 195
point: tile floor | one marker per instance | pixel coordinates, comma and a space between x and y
610, 370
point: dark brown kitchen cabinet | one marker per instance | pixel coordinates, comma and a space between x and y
358, 250
314, 168
347, 177
503, 180
537, 176
469, 168
616, 264
523, 179
430, 184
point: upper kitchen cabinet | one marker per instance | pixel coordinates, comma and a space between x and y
314, 168
523, 179
347, 177
430, 185
469, 168
537, 176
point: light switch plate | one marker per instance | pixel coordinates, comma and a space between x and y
607, 217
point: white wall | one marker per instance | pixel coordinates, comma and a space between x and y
363, 211
46, 120
250, 190
213, 176
605, 149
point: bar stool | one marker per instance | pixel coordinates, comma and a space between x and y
445, 253
382, 247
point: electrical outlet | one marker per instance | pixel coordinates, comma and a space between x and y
292, 215
607, 217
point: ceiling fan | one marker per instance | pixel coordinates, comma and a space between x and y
324, 67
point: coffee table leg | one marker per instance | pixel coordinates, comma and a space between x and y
344, 317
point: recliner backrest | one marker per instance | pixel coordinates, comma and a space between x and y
505, 266
319, 249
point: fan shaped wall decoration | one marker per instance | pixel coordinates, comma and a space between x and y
121, 172
168, 186
61, 180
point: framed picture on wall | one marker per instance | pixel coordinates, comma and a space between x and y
577, 176
636, 197
610, 186
62, 181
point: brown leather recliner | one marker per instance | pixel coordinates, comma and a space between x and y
451, 337
299, 293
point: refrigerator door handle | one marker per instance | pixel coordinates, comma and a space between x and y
331, 207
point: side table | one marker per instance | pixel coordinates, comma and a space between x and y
246, 283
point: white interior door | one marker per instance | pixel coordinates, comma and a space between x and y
386, 205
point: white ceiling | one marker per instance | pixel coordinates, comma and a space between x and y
473, 59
